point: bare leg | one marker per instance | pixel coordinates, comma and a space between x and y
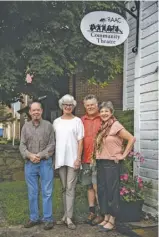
96, 195
105, 221
91, 197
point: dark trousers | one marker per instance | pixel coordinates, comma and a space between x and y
108, 181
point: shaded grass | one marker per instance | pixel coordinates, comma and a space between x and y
14, 202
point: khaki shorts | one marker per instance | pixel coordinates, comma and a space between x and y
88, 175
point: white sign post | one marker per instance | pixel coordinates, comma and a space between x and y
104, 28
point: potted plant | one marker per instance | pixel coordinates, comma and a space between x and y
132, 189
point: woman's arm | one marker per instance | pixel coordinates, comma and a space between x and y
125, 135
80, 149
77, 162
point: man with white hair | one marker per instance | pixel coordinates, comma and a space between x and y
37, 147
92, 123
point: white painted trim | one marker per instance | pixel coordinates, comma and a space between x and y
137, 99
125, 103
125, 75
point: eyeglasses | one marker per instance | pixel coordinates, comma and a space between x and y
68, 105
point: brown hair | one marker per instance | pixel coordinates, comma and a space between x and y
107, 105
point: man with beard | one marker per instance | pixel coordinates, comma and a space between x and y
92, 123
37, 146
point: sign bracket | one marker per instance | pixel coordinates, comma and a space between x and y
136, 16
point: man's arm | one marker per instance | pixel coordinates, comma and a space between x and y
49, 150
23, 148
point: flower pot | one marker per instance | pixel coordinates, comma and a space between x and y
130, 211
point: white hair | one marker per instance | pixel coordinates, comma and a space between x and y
67, 99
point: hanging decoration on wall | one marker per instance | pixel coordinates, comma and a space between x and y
104, 28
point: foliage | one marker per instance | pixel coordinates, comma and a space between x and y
4, 114
126, 118
3, 111
44, 39
132, 188
3, 141
16, 142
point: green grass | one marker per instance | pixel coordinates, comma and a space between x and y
14, 202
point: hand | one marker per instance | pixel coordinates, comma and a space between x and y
122, 157
34, 158
92, 161
77, 164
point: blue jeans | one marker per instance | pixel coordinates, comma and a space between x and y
44, 170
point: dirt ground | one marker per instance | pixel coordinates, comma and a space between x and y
58, 231
82, 230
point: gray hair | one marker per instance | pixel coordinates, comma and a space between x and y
107, 105
67, 99
90, 97
35, 102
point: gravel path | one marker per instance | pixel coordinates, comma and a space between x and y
58, 231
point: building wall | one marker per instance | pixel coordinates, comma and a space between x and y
113, 92
129, 63
145, 96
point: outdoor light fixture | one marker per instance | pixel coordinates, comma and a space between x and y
131, 12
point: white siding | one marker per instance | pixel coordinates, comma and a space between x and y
145, 85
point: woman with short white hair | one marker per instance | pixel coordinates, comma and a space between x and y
69, 133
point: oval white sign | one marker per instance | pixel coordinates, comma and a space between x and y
104, 28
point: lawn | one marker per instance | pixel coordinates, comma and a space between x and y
14, 202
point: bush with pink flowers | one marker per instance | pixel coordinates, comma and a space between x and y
132, 188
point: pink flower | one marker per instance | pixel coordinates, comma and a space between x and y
124, 189
121, 177
29, 78
140, 185
126, 176
139, 180
137, 154
131, 154
142, 159
121, 193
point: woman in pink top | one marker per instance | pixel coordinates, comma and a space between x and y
109, 152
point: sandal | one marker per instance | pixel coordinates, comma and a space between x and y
103, 223
105, 229
97, 220
71, 226
61, 222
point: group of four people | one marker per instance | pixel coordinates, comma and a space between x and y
94, 142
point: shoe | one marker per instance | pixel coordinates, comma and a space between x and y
104, 229
90, 218
104, 223
48, 225
97, 220
30, 223
70, 224
60, 222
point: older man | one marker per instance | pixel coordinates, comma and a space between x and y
37, 146
92, 123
